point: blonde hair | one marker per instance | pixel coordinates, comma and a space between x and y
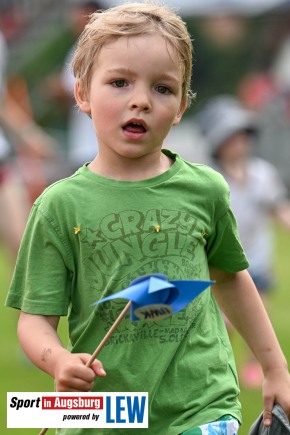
133, 19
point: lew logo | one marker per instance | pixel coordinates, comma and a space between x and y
127, 410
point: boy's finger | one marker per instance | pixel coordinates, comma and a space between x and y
267, 417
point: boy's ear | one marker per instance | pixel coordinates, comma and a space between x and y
81, 98
180, 113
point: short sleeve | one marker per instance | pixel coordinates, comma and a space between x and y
224, 249
42, 277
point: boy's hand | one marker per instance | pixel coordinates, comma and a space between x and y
276, 389
72, 375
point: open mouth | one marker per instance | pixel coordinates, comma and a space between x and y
134, 127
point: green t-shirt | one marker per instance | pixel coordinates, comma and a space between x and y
88, 237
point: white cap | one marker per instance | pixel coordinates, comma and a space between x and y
222, 117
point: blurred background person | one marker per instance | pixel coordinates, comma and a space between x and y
81, 137
24, 150
13, 201
257, 194
4, 145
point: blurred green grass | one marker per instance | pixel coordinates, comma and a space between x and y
18, 374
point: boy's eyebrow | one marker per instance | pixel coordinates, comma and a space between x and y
167, 76
120, 70
162, 75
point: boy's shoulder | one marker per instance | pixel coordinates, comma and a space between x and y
206, 175
206, 170
60, 189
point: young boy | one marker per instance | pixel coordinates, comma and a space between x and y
136, 210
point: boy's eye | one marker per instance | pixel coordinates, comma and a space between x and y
119, 83
163, 89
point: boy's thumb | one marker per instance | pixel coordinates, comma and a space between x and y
98, 368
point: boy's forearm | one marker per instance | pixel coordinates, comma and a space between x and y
39, 340
241, 303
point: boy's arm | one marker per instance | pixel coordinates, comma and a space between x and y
39, 340
238, 297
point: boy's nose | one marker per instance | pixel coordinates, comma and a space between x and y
140, 100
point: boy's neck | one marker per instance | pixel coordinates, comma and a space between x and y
132, 169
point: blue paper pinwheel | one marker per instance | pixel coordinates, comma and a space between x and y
155, 297
151, 297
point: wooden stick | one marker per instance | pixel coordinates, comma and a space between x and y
103, 342
109, 333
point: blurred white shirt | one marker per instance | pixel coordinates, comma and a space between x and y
4, 145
